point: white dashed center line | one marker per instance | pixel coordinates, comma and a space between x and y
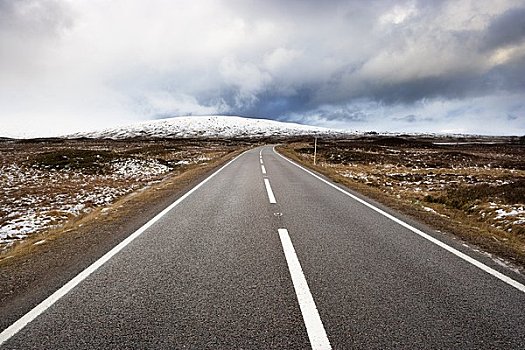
271, 197
311, 318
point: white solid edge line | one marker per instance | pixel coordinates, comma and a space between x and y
271, 197
311, 318
454, 251
66, 288
263, 169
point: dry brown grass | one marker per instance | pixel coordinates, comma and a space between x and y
466, 190
130, 204
44, 181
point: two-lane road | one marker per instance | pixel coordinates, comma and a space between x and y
264, 254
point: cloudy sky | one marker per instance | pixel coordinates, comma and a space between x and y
429, 66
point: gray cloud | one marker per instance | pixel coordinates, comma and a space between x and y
95, 63
411, 118
28, 19
506, 29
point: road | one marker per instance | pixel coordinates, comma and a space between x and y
264, 254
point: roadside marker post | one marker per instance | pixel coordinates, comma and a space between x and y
315, 149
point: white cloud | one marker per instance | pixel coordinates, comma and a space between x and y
280, 59
89, 63
398, 14
162, 104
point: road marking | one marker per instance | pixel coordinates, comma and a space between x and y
271, 197
311, 318
44, 305
260, 152
263, 169
426, 236
261, 161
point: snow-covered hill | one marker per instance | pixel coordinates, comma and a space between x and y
209, 126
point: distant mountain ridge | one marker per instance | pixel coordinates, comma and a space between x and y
209, 126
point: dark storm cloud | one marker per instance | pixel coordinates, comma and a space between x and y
273, 105
506, 29
509, 76
460, 85
464, 76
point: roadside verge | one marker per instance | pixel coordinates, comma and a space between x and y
36, 271
456, 226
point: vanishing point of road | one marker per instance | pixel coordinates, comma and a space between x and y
264, 254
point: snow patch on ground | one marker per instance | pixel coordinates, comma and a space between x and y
405, 182
502, 213
130, 168
35, 199
430, 210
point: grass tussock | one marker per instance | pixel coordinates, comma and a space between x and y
468, 197
85, 160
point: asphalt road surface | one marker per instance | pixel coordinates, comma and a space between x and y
264, 254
